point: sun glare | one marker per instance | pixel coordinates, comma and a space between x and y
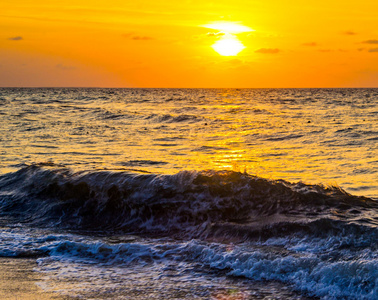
228, 46
228, 27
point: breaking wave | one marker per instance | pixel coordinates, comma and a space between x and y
209, 203
320, 241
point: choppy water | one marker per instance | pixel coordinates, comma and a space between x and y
192, 193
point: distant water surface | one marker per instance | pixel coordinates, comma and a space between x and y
192, 193
327, 136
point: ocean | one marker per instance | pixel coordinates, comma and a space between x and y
192, 193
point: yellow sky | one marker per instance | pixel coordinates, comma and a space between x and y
142, 43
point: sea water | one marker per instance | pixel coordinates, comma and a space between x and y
192, 193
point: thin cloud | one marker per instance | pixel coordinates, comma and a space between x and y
208, 35
312, 44
349, 32
65, 68
141, 38
268, 50
373, 50
215, 34
370, 42
16, 38
235, 61
134, 37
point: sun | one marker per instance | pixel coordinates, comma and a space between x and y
228, 46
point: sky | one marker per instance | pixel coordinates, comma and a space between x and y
171, 44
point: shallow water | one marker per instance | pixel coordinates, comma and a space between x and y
192, 193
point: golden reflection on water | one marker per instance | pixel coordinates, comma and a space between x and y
278, 134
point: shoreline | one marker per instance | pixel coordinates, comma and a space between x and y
18, 281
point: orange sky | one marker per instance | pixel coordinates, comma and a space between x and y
120, 43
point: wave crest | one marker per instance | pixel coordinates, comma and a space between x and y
199, 203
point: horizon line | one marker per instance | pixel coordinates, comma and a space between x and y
235, 88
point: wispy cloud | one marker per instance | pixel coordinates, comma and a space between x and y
134, 37
215, 33
349, 32
370, 42
15, 38
235, 61
311, 44
268, 50
228, 27
141, 38
373, 50
65, 68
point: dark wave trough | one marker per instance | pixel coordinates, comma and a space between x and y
207, 204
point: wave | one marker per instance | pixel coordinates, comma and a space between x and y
208, 203
167, 118
320, 241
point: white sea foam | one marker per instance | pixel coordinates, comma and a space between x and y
298, 263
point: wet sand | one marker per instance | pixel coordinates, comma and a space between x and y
18, 281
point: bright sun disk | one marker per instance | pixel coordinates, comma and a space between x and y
228, 46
